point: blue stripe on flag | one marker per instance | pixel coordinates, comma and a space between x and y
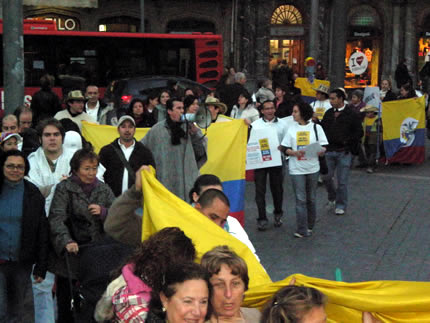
235, 191
393, 145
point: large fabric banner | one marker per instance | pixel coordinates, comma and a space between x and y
404, 130
307, 88
226, 155
389, 301
162, 209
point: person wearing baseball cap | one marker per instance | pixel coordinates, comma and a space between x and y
124, 156
10, 141
75, 109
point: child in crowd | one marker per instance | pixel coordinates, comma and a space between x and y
371, 126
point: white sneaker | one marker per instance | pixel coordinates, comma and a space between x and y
340, 212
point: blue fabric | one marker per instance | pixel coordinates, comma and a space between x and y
43, 301
235, 191
394, 145
11, 203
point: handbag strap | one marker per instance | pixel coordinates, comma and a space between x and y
316, 132
124, 162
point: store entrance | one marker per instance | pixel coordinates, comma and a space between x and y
371, 48
291, 50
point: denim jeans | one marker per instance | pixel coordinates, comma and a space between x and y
14, 285
305, 189
43, 300
341, 163
276, 179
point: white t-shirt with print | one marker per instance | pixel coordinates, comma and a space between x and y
297, 138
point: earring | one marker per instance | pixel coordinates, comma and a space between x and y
163, 309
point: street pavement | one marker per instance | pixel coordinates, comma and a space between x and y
384, 235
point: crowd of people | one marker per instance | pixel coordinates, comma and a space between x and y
65, 210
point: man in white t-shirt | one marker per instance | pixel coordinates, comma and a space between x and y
276, 176
95, 107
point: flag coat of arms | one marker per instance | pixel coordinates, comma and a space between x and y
404, 130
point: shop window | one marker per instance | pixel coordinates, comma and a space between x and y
286, 15
364, 36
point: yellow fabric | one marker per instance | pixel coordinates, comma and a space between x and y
308, 88
395, 112
226, 150
389, 301
163, 209
102, 135
226, 146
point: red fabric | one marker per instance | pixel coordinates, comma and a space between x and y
409, 155
240, 216
249, 176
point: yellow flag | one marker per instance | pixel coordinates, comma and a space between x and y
163, 209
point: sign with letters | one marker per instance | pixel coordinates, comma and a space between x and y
262, 149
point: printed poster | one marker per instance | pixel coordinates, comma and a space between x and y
303, 140
262, 149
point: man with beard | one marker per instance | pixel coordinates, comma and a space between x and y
123, 157
179, 150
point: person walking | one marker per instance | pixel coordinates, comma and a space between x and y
343, 129
304, 167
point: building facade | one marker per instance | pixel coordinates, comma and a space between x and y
258, 34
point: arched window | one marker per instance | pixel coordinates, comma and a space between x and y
286, 15
364, 16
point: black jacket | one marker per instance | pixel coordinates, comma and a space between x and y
343, 133
229, 94
35, 230
115, 168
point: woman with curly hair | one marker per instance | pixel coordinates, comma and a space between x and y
127, 298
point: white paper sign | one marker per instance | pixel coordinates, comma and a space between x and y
262, 149
372, 96
358, 63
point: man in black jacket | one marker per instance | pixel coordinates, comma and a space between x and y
123, 157
343, 129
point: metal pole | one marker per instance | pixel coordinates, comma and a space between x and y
142, 16
13, 55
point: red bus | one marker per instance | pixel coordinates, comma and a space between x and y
82, 58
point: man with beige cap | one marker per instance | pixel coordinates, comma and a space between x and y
75, 109
217, 109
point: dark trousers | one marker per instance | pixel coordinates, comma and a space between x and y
15, 286
64, 299
276, 178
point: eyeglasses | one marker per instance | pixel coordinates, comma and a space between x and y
17, 167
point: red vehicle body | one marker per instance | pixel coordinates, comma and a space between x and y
77, 59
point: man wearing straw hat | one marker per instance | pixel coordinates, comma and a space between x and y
322, 102
217, 109
75, 109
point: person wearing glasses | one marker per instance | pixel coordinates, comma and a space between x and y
23, 238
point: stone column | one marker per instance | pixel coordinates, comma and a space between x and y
247, 39
262, 41
411, 40
338, 40
395, 44
314, 31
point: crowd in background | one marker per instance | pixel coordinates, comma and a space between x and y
66, 210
